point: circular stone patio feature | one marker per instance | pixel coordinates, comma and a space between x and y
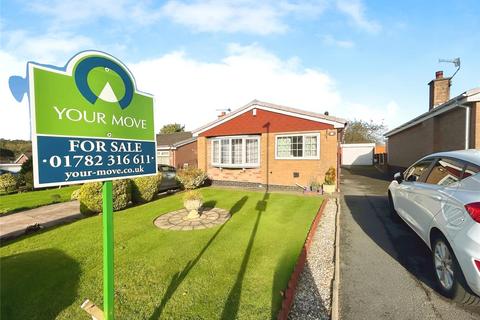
176, 220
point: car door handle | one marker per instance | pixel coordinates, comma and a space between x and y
436, 198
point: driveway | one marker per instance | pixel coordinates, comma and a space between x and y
385, 268
15, 224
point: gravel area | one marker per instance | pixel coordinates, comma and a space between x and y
313, 295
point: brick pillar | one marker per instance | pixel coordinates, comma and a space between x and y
202, 153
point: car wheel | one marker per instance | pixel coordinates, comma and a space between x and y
449, 275
391, 208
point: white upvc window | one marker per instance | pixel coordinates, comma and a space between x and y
236, 152
163, 157
297, 146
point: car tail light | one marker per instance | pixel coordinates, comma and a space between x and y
477, 264
474, 210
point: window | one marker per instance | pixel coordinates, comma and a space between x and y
445, 172
236, 152
163, 157
251, 151
415, 172
304, 146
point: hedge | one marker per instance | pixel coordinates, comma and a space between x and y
90, 196
8, 183
144, 189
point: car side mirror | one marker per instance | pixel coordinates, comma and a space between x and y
398, 177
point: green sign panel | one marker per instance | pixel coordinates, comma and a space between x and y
89, 122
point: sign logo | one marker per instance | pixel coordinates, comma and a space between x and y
107, 94
89, 122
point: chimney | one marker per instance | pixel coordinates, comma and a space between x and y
439, 90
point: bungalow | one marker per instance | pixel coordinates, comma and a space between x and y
177, 149
263, 144
449, 124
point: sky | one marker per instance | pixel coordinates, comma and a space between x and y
356, 59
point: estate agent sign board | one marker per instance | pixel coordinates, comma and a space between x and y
89, 122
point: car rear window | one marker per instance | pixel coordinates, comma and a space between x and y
445, 172
470, 170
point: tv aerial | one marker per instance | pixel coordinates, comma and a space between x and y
456, 63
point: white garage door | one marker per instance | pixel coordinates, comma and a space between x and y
357, 154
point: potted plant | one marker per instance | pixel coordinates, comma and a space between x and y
192, 201
329, 185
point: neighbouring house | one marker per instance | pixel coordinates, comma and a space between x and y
13, 166
380, 154
449, 124
177, 149
264, 144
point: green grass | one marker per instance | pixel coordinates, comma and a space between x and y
236, 270
29, 200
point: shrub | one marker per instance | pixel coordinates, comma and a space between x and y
75, 195
159, 180
191, 178
90, 196
192, 195
28, 180
330, 176
144, 189
8, 183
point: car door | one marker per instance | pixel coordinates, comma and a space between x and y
428, 197
411, 177
453, 216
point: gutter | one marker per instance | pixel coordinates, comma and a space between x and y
467, 125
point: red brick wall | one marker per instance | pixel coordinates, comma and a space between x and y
279, 172
264, 121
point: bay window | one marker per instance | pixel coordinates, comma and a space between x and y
236, 152
297, 146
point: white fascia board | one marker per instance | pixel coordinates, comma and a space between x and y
256, 106
354, 145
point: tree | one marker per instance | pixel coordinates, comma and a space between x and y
360, 131
172, 128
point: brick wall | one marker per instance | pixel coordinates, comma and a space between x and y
476, 126
271, 170
186, 154
444, 132
407, 146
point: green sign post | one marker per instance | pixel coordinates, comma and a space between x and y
89, 123
108, 275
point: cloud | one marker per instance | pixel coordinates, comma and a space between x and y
262, 18
15, 119
355, 10
79, 12
47, 48
330, 40
188, 90
387, 114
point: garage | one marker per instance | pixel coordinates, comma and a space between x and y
357, 154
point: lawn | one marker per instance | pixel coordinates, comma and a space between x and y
236, 270
29, 200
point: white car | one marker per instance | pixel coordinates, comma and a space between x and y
439, 198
